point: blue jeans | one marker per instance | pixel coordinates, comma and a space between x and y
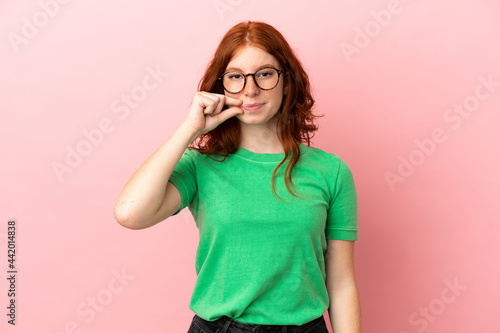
227, 325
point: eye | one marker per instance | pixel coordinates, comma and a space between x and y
266, 73
234, 76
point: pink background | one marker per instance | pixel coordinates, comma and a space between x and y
389, 76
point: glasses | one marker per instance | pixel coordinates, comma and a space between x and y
266, 78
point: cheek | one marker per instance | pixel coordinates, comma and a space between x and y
278, 94
277, 101
279, 97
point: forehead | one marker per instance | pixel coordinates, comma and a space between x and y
250, 58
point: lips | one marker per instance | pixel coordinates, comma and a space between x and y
252, 107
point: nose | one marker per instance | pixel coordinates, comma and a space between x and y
251, 88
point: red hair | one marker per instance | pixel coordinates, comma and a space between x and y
295, 118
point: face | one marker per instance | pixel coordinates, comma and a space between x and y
259, 106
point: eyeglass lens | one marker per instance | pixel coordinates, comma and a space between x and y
265, 78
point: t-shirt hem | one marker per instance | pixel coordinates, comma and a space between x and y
343, 234
181, 187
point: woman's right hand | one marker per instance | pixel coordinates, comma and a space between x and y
206, 113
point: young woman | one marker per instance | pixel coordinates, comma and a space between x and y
277, 218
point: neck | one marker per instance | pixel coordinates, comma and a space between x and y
260, 138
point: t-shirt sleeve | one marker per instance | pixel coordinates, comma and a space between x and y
342, 215
184, 177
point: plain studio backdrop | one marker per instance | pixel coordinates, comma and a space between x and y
410, 91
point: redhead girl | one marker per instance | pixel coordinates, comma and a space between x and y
277, 218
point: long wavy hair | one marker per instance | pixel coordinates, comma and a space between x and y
295, 117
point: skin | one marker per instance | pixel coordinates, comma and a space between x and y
147, 199
258, 129
259, 134
345, 308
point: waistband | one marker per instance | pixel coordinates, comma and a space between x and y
227, 322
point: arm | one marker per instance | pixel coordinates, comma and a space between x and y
345, 309
146, 198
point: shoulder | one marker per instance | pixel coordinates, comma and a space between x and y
189, 155
194, 155
330, 165
191, 152
323, 157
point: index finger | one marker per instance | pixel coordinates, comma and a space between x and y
232, 101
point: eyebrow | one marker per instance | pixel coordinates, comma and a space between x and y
239, 69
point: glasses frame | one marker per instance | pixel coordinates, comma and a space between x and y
253, 76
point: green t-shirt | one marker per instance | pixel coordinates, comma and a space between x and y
260, 260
